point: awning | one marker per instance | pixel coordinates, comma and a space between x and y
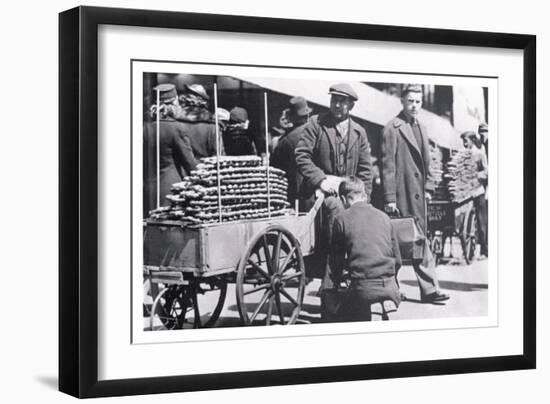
373, 105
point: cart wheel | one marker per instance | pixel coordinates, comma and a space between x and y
437, 249
271, 278
207, 299
197, 305
469, 237
170, 306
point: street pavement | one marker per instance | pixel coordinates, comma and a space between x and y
467, 286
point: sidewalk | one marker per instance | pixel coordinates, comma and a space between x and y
466, 285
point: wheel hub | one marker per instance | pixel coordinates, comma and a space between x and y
276, 282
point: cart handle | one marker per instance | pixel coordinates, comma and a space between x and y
319, 199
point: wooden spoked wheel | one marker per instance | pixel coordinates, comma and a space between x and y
437, 248
469, 238
271, 278
208, 300
170, 307
197, 305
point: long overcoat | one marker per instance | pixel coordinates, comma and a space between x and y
201, 128
316, 154
283, 157
176, 159
405, 170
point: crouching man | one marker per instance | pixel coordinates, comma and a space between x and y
364, 243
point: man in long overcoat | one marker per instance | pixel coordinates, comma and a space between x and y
405, 174
332, 145
176, 155
283, 156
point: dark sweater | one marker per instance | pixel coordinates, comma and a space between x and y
364, 242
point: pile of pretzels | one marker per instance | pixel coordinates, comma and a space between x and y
462, 176
242, 192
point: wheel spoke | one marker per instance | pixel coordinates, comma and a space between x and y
277, 252
267, 255
259, 269
266, 296
197, 323
287, 260
257, 289
279, 307
269, 311
287, 295
290, 277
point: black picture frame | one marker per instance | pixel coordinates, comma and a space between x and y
78, 200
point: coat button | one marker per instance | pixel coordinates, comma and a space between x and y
416, 196
416, 175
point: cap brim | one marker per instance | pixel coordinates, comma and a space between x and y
343, 94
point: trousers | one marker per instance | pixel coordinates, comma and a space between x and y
362, 293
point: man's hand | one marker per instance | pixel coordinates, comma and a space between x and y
327, 188
428, 196
391, 208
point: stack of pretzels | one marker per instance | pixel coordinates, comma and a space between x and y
462, 176
243, 192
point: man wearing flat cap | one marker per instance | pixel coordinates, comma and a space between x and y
176, 157
283, 156
199, 123
332, 146
405, 175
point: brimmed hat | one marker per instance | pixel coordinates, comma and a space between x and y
343, 89
299, 107
198, 90
222, 114
238, 115
167, 92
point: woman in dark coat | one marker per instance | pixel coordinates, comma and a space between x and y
199, 123
176, 154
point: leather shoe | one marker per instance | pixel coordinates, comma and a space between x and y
435, 297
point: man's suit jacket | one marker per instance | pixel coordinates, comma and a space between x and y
316, 153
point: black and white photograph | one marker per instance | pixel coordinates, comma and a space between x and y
308, 198
249, 202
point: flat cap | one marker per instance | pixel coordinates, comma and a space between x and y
166, 91
411, 88
468, 134
343, 89
483, 127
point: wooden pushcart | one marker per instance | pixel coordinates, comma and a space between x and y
447, 219
188, 268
